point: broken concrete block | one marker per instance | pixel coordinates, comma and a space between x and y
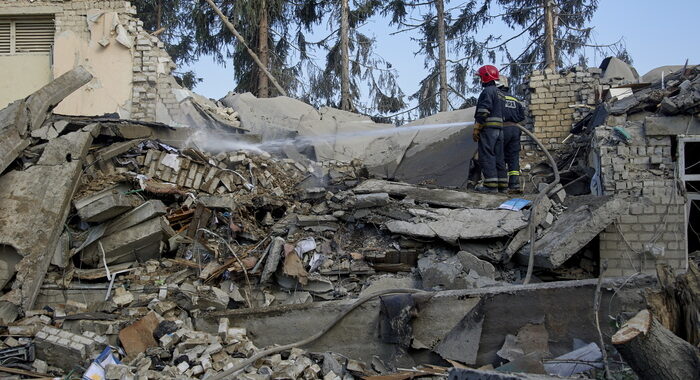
471, 262
462, 343
105, 204
61, 254
63, 349
439, 274
273, 259
438, 197
139, 242
111, 151
540, 210
548, 220
225, 201
573, 230
118, 372
122, 297
315, 220
211, 298
452, 225
371, 200
46, 98
73, 146
148, 210
50, 130
137, 337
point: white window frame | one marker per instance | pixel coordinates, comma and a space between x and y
689, 196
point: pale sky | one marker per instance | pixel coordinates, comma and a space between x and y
656, 33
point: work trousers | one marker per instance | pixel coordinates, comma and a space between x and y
491, 158
511, 153
474, 171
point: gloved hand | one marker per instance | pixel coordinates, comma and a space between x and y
476, 132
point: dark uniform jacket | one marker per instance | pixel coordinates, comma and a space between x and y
489, 107
513, 110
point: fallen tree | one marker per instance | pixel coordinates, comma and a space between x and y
677, 304
654, 352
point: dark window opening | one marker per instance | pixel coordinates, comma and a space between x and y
694, 229
692, 157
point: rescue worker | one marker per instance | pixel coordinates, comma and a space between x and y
488, 131
513, 115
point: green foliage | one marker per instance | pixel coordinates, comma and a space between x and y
211, 37
367, 69
171, 16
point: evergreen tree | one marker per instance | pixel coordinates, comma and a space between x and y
264, 25
554, 33
350, 59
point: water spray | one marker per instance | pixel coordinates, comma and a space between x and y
206, 141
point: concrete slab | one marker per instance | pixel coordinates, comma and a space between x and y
440, 155
35, 203
106, 204
672, 125
148, 210
436, 196
573, 230
453, 225
462, 342
67, 148
140, 242
565, 306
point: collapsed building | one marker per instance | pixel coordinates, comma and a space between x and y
146, 231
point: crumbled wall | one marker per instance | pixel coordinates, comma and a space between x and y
151, 86
653, 231
551, 96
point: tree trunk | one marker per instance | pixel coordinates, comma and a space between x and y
442, 64
677, 304
550, 55
654, 352
240, 39
345, 101
263, 84
159, 13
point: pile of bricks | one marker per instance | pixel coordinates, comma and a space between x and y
66, 349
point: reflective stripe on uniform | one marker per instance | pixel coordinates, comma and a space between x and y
483, 110
514, 172
494, 122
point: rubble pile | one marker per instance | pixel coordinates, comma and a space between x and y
150, 254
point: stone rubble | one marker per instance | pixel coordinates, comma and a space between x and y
141, 236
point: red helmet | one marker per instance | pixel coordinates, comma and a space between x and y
487, 73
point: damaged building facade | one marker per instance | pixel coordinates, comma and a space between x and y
632, 147
41, 40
